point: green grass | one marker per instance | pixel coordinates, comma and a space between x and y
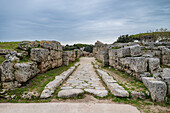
9, 45
2, 59
98, 60
115, 47
25, 59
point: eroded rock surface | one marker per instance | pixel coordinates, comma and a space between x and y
25, 71
158, 89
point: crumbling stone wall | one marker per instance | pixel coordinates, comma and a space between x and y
147, 62
70, 56
48, 56
100, 51
32, 58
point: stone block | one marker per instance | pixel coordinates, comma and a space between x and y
158, 89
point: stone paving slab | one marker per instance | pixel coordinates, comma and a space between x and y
66, 108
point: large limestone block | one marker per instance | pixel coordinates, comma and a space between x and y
166, 78
50, 88
113, 53
70, 93
158, 89
59, 62
65, 58
125, 62
52, 45
135, 50
97, 92
167, 81
100, 93
54, 63
39, 54
117, 90
25, 71
166, 72
60, 53
138, 64
44, 66
166, 56
154, 65
7, 70
54, 54
123, 52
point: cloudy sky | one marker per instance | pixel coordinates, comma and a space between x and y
80, 21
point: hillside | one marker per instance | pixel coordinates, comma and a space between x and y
146, 37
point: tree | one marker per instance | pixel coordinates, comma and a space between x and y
124, 39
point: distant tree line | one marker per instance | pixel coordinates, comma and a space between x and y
124, 39
85, 47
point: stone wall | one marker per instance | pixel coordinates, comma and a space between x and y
150, 61
48, 56
70, 56
31, 58
100, 51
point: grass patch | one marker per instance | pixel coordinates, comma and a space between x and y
9, 45
116, 47
24, 59
99, 61
1, 59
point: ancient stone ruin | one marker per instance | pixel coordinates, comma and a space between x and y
33, 57
147, 62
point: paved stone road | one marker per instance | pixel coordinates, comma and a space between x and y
66, 108
85, 78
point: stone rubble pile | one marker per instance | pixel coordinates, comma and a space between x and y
141, 60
